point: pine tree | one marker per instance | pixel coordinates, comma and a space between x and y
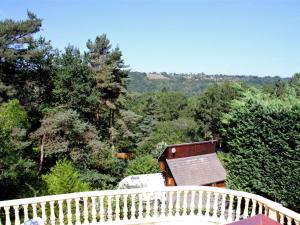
26, 65
151, 118
111, 76
23, 60
75, 84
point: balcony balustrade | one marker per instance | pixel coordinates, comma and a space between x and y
192, 204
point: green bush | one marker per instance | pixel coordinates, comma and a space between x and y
142, 165
63, 178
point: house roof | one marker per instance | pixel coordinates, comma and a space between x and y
256, 220
197, 170
185, 144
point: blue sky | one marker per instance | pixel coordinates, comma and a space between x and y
259, 37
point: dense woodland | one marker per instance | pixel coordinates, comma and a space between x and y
190, 84
64, 115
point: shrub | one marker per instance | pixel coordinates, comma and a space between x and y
63, 178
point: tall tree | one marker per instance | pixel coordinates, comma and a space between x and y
111, 78
151, 118
212, 104
64, 134
75, 84
25, 62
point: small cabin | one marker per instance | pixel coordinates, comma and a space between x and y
192, 164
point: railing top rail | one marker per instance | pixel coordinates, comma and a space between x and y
273, 205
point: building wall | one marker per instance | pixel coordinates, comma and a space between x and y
190, 150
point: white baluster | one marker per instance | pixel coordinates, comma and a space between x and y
69, 213
61, 213
85, 211
7, 216
177, 206
192, 205
125, 208
77, 211
155, 205
52, 214
25, 207
163, 204
109, 209
94, 212
246, 214
281, 218
207, 207
117, 210
297, 222
34, 210
260, 208
230, 209
132, 209
215, 207
170, 203
147, 195
184, 212
17, 218
102, 211
200, 201
253, 207
223, 207
140, 196
266, 212
238, 208
289, 220
44, 215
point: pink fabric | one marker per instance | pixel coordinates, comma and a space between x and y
256, 220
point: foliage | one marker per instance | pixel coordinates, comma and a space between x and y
151, 117
190, 85
15, 169
142, 165
295, 83
125, 133
170, 104
212, 104
174, 132
263, 141
25, 62
63, 178
64, 134
74, 84
110, 76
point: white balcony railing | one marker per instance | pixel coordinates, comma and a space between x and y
139, 206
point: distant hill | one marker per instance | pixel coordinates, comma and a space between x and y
189, 84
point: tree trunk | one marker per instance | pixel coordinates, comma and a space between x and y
42, 153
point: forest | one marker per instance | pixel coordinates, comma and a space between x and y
65, 114
190, 84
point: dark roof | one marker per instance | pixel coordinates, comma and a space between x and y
185, 144
197, 170
256, 220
